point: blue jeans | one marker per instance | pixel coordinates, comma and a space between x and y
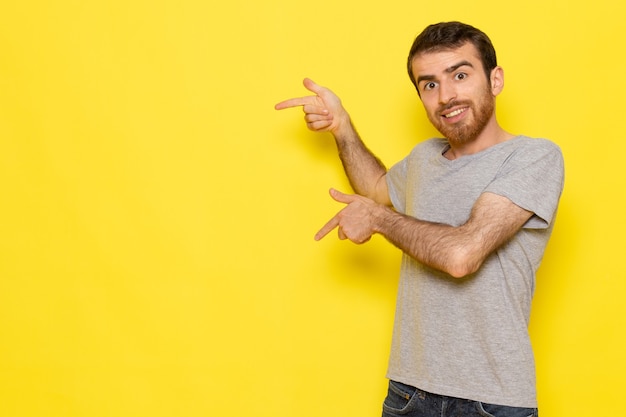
406, 401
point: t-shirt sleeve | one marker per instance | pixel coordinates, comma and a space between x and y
396, 184
532, 178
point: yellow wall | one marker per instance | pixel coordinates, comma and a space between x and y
157, 217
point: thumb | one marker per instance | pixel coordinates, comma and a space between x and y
341, 197
310, 85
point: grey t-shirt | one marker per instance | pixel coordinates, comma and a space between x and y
468, 338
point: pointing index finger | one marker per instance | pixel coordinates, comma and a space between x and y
294, 102
328, 227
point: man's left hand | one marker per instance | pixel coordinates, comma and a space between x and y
356, 221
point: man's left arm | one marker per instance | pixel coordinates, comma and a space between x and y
458, 251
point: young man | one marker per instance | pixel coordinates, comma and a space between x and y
472, 213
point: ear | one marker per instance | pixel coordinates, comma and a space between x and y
497, 80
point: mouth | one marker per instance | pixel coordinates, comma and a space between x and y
454, 113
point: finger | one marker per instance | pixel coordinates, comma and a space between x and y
314, 117
341, 197
294, 102
310, 85
319, 126
313, 109
328, 227
342, 235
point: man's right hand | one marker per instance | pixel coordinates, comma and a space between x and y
323, 112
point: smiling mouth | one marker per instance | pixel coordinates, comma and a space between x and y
454, 113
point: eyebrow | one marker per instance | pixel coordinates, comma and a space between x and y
448, 70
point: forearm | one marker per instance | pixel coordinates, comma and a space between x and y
460, 250
325, 113
363, 169
454, 250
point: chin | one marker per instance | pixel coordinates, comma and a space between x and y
459, 136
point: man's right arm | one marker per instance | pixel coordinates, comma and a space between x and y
325, 113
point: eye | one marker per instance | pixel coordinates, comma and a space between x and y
429, 86
460, 76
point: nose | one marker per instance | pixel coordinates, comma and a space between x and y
447, 93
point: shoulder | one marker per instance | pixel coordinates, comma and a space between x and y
524, 149
535, 144
429, 147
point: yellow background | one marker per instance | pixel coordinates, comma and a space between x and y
157, 217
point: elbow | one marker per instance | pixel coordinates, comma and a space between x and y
462, 263
378, 191
461, 272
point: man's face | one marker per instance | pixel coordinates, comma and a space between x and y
456, 94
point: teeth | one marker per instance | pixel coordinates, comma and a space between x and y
454, 113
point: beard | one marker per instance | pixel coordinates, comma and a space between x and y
467, 130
